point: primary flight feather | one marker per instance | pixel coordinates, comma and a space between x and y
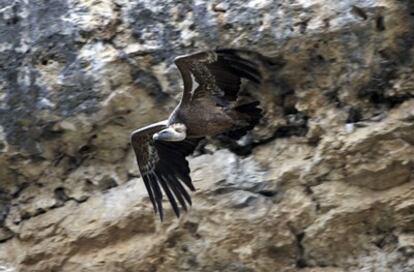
210, 105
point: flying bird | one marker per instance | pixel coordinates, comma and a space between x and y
210, 105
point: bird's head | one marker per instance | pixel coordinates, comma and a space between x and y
174, 133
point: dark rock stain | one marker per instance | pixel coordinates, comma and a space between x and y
359, 12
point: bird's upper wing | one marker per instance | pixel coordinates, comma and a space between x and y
217, 73
163, 165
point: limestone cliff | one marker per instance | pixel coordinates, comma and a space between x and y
324, 183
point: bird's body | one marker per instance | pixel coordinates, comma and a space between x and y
202, 118
210, 105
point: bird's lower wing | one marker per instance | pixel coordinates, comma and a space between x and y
163, 167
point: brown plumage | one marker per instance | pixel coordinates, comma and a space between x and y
210, 105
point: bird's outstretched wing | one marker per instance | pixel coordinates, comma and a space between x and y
217, 73
163, 167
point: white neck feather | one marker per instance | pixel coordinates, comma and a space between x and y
177, 136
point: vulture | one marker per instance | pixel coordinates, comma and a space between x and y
210, 105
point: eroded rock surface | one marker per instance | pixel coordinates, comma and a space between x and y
324, 183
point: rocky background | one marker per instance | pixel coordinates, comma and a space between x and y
324, 183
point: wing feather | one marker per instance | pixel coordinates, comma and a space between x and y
163, 167
183, 192
147, 183
166, 187
179, 194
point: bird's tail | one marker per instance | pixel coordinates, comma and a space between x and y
249, 114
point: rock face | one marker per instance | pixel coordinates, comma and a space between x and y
324, 183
